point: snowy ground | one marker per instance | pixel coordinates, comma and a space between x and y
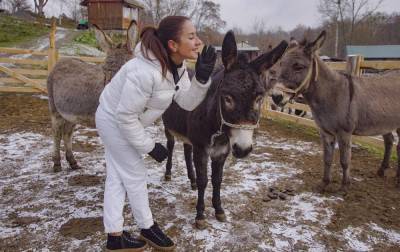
46, 211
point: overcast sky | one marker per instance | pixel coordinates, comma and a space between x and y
286, 14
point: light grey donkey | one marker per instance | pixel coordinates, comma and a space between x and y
342, 105
74, 88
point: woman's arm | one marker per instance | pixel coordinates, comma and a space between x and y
135, 94
205, 63
190, 98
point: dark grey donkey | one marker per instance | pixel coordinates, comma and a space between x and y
342, 105
224, 121
74, 89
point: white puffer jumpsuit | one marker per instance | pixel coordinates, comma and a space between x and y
135, 97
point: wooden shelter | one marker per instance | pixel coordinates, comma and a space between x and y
112, 14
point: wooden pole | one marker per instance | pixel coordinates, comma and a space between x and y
354, 64
52, 52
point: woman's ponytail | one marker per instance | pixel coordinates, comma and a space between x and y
150, 41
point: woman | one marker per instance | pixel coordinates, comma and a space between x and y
136, 96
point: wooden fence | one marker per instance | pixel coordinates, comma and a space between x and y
29, 75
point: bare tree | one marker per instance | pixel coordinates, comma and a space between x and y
203, 13
19, 5
349, 13
39, 6
207, 14
158, 9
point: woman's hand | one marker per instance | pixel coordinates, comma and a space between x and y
205, 64
159, 152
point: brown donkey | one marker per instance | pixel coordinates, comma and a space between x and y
74, 89
342, 105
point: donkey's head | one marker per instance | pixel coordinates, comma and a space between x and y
117, 54
298, 68
241, 93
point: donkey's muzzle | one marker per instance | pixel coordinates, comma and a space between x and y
239, 152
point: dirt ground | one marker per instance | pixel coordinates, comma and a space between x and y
42, 210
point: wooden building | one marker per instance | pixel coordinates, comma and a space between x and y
112, 14
244, 47
375, 52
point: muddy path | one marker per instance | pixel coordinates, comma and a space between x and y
269, 198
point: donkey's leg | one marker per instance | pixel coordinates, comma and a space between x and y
398, 157
57, 125
200, 159
217, 166
388, 139
67, 136
328, 144
170, 147
344, 141
188, 150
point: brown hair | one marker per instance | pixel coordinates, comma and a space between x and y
156, 40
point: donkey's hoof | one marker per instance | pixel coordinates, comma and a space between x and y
321, 187
344, 189
167, 177
57, 168
75, 166
193, 186
220, 217
201, 224
381, 172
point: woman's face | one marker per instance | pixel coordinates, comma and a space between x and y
188, 44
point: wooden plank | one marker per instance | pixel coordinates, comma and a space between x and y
10, 81
31, 71
24, 61
338, 66
22, 51
16, 81
86, 59
295, 105
18, 76
292, 118
4, 89
382, 65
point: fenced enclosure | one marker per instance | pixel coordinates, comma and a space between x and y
29, 75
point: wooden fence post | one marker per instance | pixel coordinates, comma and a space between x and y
354, 64
52, 52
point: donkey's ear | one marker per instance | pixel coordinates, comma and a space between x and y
317, 43
229, 50
267, 60
132, 36
104, 41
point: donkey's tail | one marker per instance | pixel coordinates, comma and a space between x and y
50, 91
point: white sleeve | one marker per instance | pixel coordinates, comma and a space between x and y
190, 98
135, 94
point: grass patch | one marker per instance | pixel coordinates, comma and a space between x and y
14, 31
88, 38
312, 134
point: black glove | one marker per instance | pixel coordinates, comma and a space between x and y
159, 152
205, 64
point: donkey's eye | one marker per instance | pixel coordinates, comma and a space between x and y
298, 67
229, 102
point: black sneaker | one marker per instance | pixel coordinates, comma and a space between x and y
156, 238
125, 243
